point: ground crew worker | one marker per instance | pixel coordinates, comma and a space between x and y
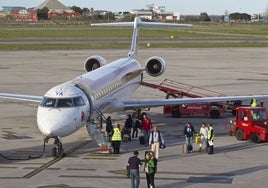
210, 138
116, 139
254, 103
210, 132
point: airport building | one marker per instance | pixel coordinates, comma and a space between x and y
27, 15
153, 12
56, 8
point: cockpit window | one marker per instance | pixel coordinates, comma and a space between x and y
65, 103
78, 101
62, 103
48, 102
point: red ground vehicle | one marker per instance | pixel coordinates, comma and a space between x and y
210, 109
250, 123
174, 89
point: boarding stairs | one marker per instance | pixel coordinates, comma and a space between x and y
97, 132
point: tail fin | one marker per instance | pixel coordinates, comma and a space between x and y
136, 25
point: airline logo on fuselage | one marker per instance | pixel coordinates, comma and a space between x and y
60, 92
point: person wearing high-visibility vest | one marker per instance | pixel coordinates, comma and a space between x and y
254, 103
116, 139
211, 137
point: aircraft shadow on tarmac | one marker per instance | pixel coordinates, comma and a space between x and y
28, 153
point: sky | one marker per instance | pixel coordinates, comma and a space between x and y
211, 7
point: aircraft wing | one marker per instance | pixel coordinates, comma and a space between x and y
162, 102
21, 97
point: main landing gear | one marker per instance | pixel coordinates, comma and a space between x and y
57, 151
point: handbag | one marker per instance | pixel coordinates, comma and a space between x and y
146, 168
162, 146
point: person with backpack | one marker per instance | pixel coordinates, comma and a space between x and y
155, 141
189, 132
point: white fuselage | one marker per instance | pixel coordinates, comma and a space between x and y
68, 106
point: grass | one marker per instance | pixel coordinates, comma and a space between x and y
217, 31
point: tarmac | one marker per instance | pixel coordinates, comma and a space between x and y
232, 71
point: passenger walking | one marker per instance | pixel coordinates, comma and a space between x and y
189, 132
109, 127
116, 139
204, 136
150, 169
128, 126
146, 127
155, 141
137, 125
133, 165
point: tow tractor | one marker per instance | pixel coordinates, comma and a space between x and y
174, 89
250, 123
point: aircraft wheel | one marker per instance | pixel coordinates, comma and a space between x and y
54, 152
255, 138
60, 151
239, 134
214, 114
175, 113
233, 112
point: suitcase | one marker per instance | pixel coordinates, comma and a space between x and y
141, 139
184, 148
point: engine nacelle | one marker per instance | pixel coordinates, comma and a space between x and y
155, 66
94, 62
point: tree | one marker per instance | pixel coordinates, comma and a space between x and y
108, 16
77, 9
42, 13
204, 17
128, 18
240, 16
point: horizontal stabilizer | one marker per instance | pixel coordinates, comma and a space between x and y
138, 23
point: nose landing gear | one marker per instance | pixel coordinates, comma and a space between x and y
57, 151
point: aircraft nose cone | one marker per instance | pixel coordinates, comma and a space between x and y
49, 122
55, 122
48, 128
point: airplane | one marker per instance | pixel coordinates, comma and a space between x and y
104, 88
